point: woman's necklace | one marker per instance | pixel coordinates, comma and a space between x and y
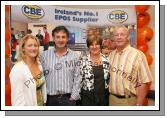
96, 60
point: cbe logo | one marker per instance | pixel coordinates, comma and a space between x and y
33, 11
117, 16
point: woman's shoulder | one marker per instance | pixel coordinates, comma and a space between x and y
85, 57
104, 58
19, 66
18, 69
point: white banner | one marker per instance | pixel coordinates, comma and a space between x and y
72, 16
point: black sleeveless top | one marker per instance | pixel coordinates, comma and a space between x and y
99, 95
99, 86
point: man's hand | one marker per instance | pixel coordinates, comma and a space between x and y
141, 93
72, 99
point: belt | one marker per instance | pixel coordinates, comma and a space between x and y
60, 95
121, 96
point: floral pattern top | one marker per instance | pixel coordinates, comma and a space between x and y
87, 75
40, 83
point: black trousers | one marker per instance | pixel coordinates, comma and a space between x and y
13, 55
46, 46
60, 100
91, 98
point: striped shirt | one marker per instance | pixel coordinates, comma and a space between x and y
61, 73
128, 70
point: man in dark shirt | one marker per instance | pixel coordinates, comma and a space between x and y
13, 45
40, 37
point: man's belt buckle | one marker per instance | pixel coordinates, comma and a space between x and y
128, 96
60, 95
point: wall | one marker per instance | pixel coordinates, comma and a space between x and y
151, 44
19, 26
49, 26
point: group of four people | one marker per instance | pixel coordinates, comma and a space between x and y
60, 77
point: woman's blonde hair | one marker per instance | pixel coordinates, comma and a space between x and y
21, 56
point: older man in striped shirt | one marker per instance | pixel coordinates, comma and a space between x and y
130, 77
61, 67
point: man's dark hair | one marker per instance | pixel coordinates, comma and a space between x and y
60, 28
29, 31
12, 28
45, 28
